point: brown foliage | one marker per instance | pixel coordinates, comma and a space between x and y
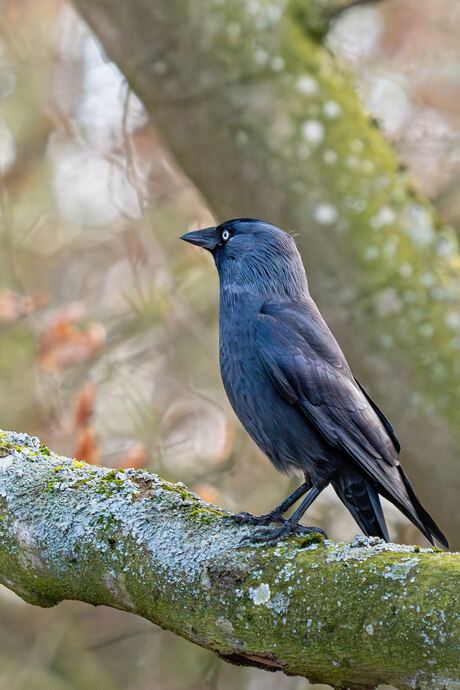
64, 343
14, 306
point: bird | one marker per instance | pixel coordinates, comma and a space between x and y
292, 389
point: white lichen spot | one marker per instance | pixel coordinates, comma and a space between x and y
371, 253
261, 595
405, 270
357, 34
331, 109
390, 247
355, 203
205, 581
330, 157
418, 225
325, 214
447, 245
367, 167
160, 67
261, 57
287, 572
279, 603
385, 216
306, 85
356, 146
389, 102
7, 461
427, 279
399, 571
29, 552
452, 320
277, 64
313, 131
369, 629
351, 162
271, 13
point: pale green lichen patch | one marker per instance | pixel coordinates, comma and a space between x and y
260, 595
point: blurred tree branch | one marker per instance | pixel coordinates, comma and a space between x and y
349, 615
267, 124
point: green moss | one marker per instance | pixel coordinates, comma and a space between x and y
44, 450
307, 540
167, 486
106, 519
51, 484
109, 476
109, 482
308, 16
204, 516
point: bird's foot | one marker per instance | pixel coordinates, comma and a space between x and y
245, 518
271, 537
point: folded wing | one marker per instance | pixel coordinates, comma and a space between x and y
307, 366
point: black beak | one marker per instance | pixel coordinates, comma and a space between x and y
207, 238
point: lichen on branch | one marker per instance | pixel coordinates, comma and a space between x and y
350, 615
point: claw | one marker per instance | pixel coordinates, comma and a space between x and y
242, 518
302, 529
245, 518
273, 536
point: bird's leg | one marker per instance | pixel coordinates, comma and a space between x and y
279, 511
275, 515
290, 526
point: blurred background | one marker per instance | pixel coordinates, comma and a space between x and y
108, 324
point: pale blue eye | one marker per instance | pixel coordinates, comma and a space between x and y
225, 235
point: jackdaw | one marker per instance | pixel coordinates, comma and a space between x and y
291, 387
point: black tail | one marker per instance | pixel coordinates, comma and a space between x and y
362, 500
418, 515
361, 496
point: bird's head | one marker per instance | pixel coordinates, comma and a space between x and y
254, 256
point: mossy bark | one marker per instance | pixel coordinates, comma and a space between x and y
349, 615
267, 124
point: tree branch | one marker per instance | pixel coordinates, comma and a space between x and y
349, 615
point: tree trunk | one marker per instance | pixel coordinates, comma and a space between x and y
349, 615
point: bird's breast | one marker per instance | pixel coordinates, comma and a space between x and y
279, 428
241, 369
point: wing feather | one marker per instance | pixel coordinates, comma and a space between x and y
307, 366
